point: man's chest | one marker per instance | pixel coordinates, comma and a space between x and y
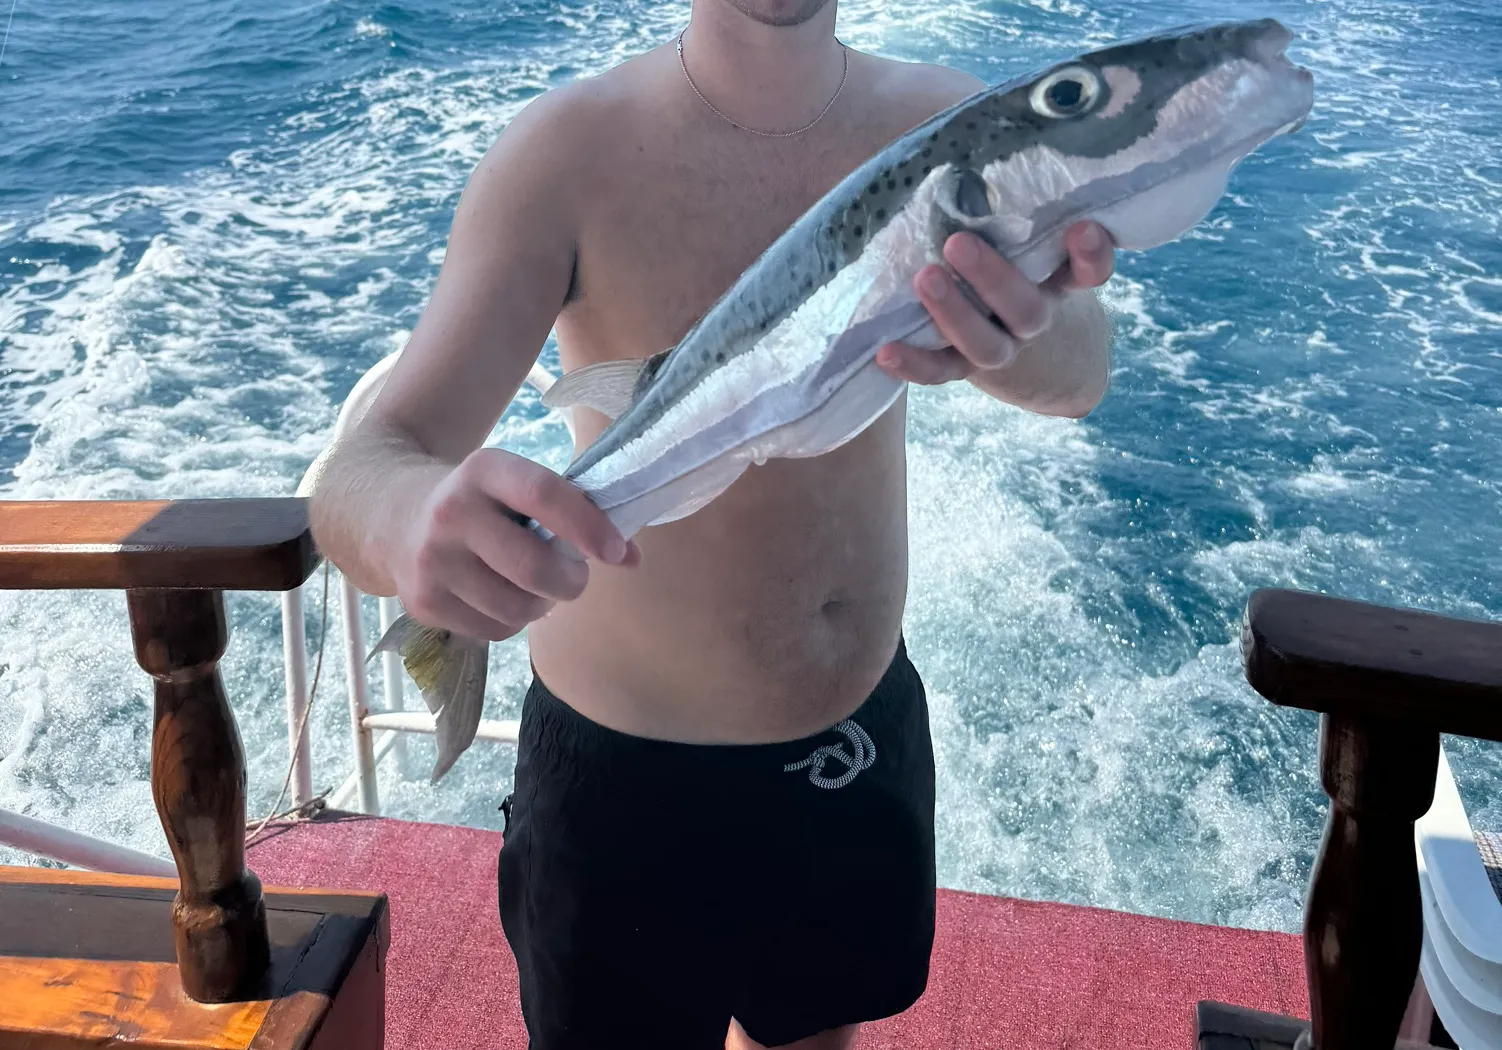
672, 231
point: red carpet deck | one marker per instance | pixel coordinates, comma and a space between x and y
1006, 973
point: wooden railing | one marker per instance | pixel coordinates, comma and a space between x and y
174, 560
1386, 683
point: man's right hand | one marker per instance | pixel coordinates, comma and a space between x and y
464, 563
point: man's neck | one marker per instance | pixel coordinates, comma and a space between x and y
771, 78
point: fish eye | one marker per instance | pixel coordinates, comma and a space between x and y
1066, 92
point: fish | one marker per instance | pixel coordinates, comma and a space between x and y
1139, 136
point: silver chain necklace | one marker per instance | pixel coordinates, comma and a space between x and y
765, 134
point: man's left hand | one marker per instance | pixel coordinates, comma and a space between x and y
1025, 310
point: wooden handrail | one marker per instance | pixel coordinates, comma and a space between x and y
1386, 682
1338, 656
175, 559
209, 544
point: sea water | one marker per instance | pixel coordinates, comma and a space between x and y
214, 216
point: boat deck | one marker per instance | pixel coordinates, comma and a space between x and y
1005, 973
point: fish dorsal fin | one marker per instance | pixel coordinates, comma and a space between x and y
609, 386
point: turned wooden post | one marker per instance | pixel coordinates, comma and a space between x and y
198, 783
1386, 683
174, 560
1363, 923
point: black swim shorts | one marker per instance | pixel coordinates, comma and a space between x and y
652, 890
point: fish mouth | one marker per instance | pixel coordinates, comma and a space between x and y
1272, 41
1269, 47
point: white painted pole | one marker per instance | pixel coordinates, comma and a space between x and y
354, 673
542, 380
295, 657
81, 851
346, 791
391, 669
505, 731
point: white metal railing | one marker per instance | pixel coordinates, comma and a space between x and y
84, 851
294, 646
374, 735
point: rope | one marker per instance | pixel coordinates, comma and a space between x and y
8, 21
305, 810
865, 755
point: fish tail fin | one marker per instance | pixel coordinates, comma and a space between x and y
450, 671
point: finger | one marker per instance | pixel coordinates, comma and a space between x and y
925, 367
978, 338
494, 597
554, 502
1061, 281
451, 613
518, 554
1091, 259
1017, 301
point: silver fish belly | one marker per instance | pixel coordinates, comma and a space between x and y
1140, 137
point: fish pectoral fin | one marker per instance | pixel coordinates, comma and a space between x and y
964, 195
450, 671
609, 386
964, 201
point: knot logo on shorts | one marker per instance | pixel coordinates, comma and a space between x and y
860, 743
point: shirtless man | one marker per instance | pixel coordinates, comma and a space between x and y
722, 826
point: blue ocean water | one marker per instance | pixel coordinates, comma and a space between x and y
213, 218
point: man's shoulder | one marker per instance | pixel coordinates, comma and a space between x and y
565, 117
555, 139
914, 91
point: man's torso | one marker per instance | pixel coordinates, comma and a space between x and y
773, 611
